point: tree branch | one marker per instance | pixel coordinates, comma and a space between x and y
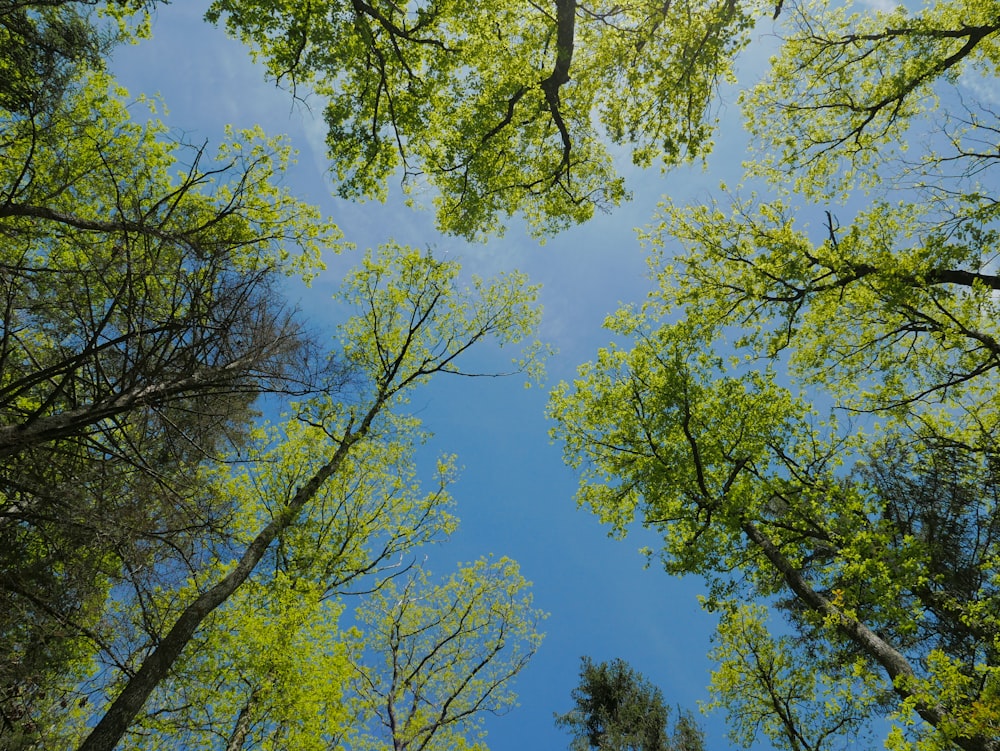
895, 664
565, 32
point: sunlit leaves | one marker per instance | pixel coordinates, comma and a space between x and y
492, 109
415, 316
326, 505
804, 405
769, 685
436, 656
879, 312
850, 88
666, 430
139, 322
268, 671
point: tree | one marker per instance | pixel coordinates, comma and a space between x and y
268, 670
298, 499
46, 43
769, 684
269, 665
439, 656
808, 416
138, 324
43, 47
138, 500
492, 104
617, 709
707, 426
842, 522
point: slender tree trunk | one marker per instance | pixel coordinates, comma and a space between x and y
113, 725
242, 726
895, 664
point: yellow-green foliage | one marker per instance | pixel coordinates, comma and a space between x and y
448, 95
432, 657
335, 491
805, 405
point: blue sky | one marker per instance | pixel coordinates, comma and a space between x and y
515, 496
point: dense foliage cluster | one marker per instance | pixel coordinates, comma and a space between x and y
502, 108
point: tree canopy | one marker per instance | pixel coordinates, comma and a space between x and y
171, 563
804, 408
319, 506
441, 656
500, 108
139, 324
807, 413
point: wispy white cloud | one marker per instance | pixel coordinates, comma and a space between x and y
983, 87
881, 6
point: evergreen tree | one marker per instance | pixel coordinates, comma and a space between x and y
617, 709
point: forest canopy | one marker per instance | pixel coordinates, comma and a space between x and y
211, 520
